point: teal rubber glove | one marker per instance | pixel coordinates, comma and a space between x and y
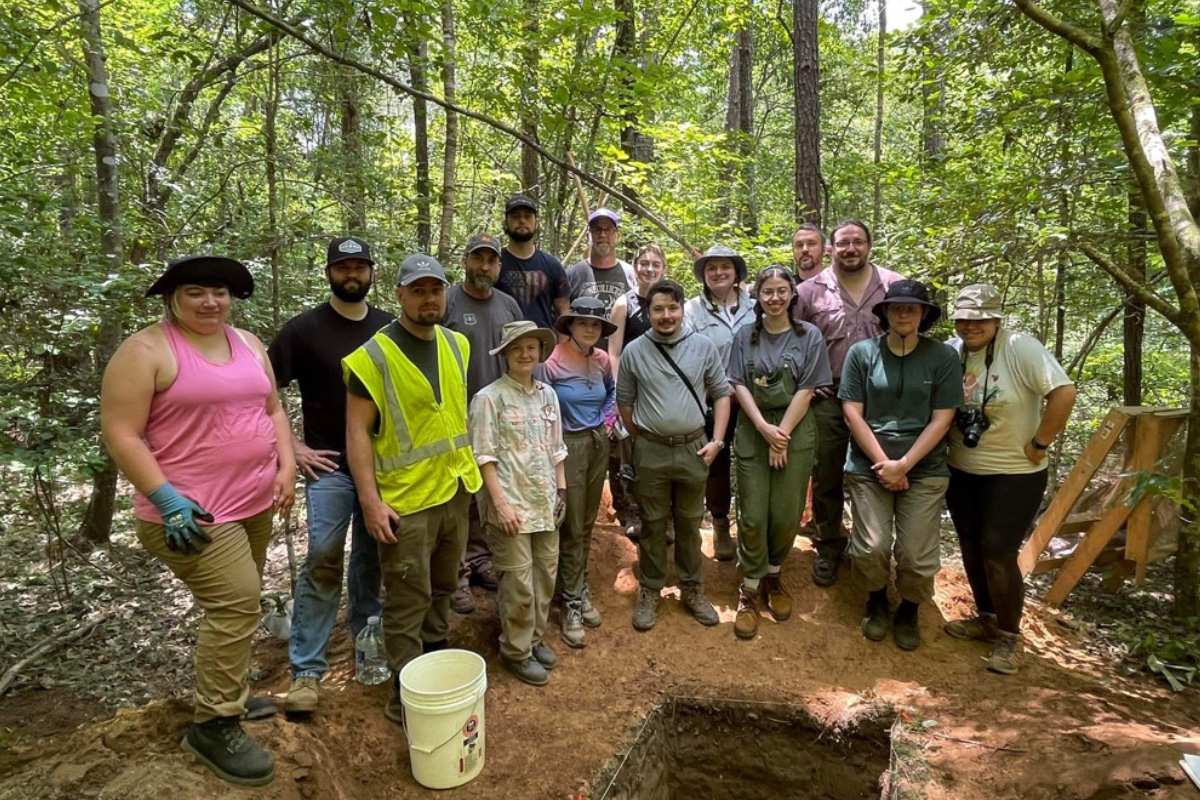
179, 519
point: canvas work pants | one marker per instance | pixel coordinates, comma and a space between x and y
420, 572
904, 522
529, 562
770, 501
670, 485
828, 498
225, 579
586, 465
478, 554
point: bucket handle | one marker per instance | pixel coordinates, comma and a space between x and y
418, 748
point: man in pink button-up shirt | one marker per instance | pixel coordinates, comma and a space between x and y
838, 301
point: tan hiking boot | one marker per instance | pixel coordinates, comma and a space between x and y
1007, 654
776, 598
302, 698
723, 549
745, 624
981, 628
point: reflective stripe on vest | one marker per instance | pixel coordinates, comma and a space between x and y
408, 455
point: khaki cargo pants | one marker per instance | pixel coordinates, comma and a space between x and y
225, 579
529, 562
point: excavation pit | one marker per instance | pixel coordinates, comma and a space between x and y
729, 750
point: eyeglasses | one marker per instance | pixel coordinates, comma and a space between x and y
774, 292
842, 244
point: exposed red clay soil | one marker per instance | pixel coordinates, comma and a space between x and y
1073, 727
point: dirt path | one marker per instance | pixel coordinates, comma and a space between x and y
1082, 731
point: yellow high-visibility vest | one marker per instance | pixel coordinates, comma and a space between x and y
421, 447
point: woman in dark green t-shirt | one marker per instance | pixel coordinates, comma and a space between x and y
899, 393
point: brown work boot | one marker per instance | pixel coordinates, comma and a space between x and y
1007, 654
303, 696
723, 549
745, 625
981, 628
776, 598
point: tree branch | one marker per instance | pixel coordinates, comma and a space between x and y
492, 122
37, 43
183, 109
1067, 30
1151, 299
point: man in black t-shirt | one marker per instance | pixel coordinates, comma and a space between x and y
535, 279
309, 350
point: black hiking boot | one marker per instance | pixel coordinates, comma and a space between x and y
904, 628
221, 745
878, 616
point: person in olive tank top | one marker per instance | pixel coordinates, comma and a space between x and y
190, 414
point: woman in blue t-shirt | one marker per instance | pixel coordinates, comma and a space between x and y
581, 374
899, 392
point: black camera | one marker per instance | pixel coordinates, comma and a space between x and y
972, 422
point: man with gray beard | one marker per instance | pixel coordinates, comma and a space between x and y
476, 310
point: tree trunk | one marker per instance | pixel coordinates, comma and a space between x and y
528, 112
420, 81
354, 184
624, 52
1063, 256
450, 155
272, 148
806, 110
96, 526
738, 190
1134, 318
880, 52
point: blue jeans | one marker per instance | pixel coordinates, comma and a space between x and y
332, 506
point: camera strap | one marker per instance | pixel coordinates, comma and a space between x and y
988, 358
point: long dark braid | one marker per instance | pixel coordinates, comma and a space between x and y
775, 271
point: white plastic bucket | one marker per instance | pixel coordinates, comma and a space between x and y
443, 694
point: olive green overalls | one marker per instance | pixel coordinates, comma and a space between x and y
770, 501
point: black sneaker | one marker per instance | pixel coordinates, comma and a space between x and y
904, 628
221, 745
878, 616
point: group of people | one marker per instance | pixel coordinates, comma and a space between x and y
468, 441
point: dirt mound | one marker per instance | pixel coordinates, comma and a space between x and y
1067, 727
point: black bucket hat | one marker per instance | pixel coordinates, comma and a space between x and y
907, 291
720, 251
585, 308
205, 271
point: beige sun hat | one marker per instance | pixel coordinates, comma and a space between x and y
519, 330
979, 301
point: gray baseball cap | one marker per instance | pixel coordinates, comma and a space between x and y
482, 241
420, 265
604, 213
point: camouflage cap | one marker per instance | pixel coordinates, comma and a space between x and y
978, 301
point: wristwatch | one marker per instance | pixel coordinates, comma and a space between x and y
720, 443
1038, 445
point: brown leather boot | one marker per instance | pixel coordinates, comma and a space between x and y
723, 548
745, 625
776, 598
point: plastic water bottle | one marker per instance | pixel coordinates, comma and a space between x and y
370, 658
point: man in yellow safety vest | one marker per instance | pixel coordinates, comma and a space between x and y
410, 455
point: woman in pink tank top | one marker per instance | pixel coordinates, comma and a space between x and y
190, 413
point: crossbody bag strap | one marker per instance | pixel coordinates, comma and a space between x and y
679, 372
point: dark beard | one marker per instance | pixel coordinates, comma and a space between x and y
350, 296
517, 236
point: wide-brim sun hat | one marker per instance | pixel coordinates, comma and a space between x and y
205, 271
512, 331
978, 301
719, 251
585, 308
908, 291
